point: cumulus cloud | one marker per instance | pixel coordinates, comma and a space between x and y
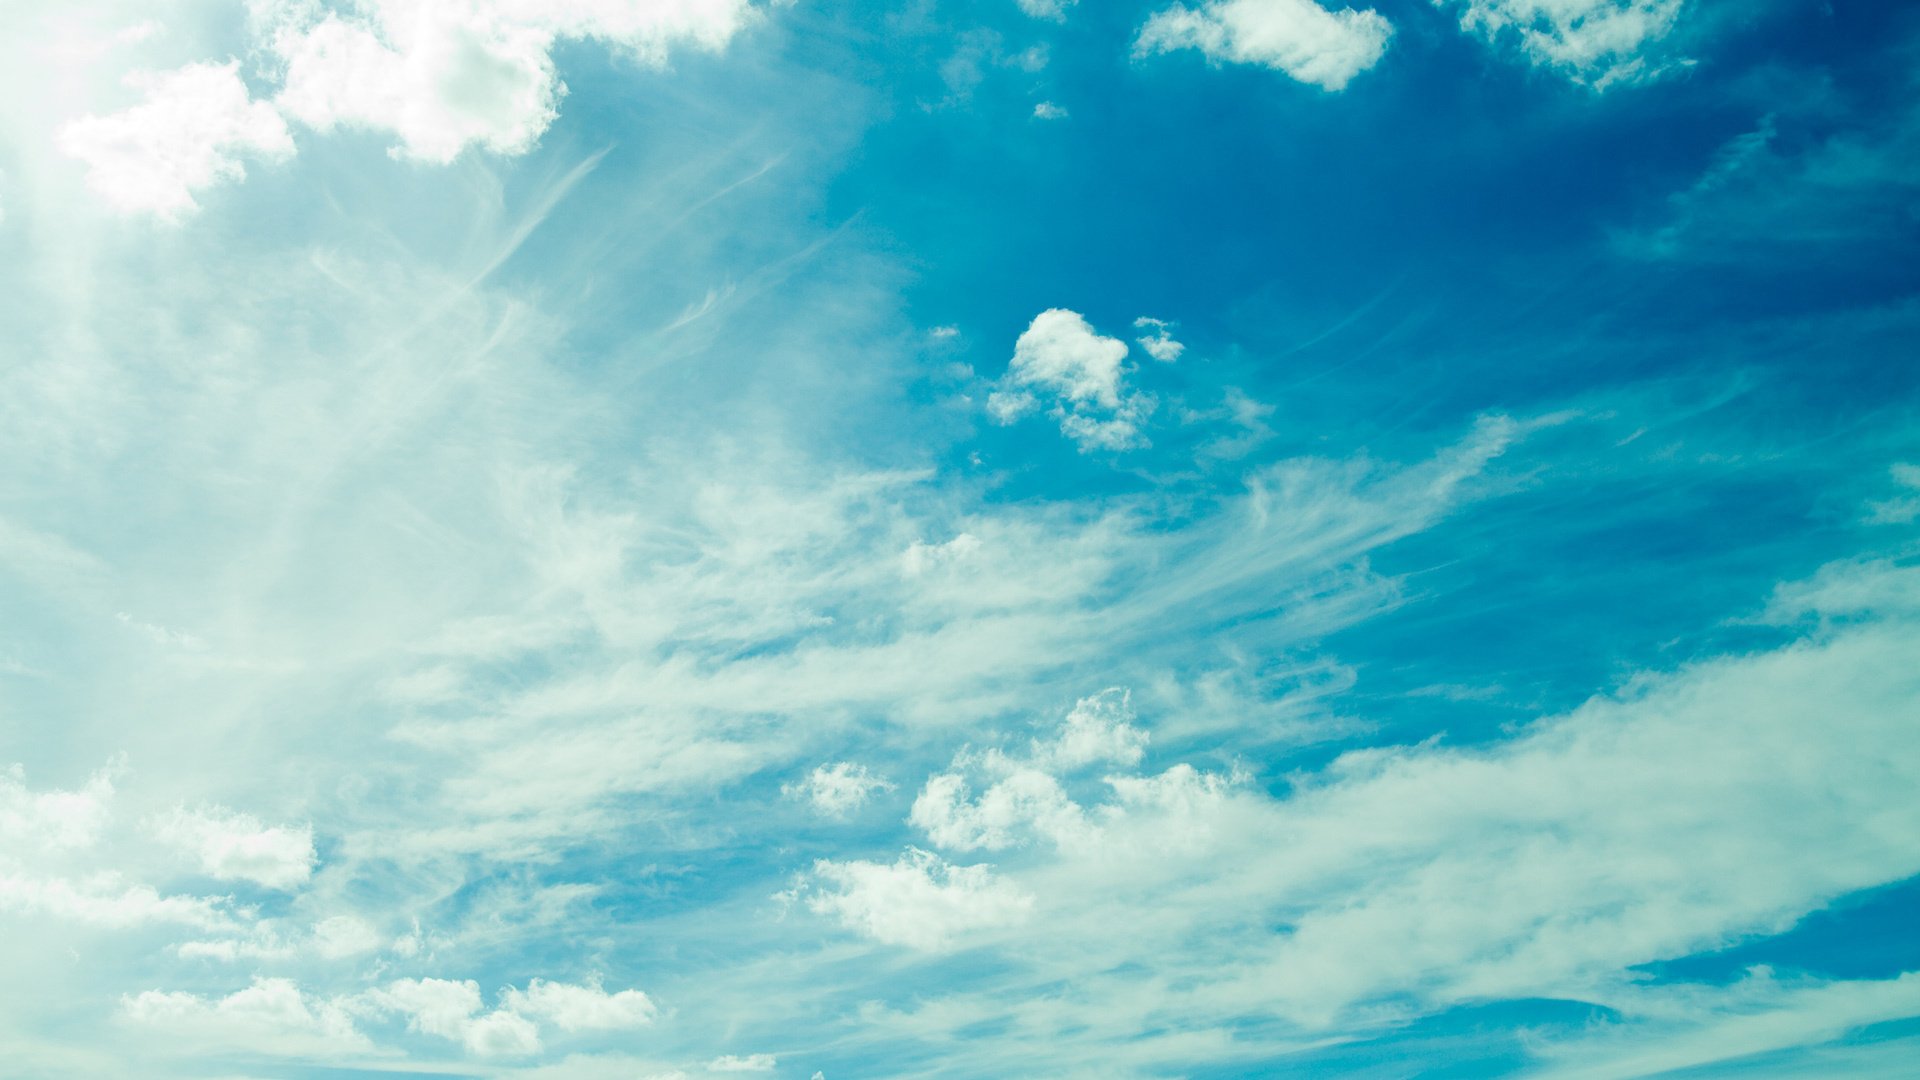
454, 1010
1022, 800
1047, 110
1099, 730
747, 1063
443, 75
451, 1010
1157, 339
195, 128
838, 789
920, 900
1306, 41
571, 1007
270, 1016
1593, 41
1026, 797
53, 819
233, 846
1060, 364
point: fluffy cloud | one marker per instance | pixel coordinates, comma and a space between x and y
1157, 339
448, 1009
452, 1009
234, 846
194, 128
271, 1016
1593, 41
1099, 730
1026, 796
53, 819
1021, 800
838, 789
443, 75
1060, 363
920, 900
581, 1008
1301, 38
748, 1063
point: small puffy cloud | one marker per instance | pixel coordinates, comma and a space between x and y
447, 1008
234, 846
195, 127
920, 901
1047, 110
922, 557
1099, 730
444, 76
1304, 40
837, 789
53, 819
581, 1008
1594, 41
1079, 376
272, 1016
748, 1063
1156, 337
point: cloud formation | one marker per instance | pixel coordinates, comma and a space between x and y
1307, 42
1061, 365
233, 846
195, 127
1598, 42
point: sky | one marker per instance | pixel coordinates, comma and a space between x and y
657, 539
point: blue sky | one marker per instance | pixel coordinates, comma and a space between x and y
666, 538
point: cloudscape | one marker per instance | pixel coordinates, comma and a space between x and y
652, 539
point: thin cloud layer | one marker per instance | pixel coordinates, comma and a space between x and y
662, 593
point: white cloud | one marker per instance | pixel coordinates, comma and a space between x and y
838, 789
920, 901
748, 1063
1055, 10
1301, 38
271, 1016
1047, 110
1158, 339
1667, 1029
53, 819
1099, 730
1022, 799
1593, 41
1025, 797
194, 128
1060, 362
447, 1008
234, 846
344, 935
102, 900
581, 1008
443, 75
1903, 509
